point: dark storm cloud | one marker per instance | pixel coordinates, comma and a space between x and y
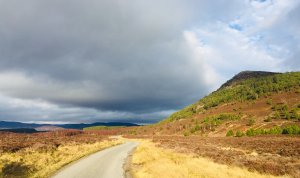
110, 55
137, 60
294, 28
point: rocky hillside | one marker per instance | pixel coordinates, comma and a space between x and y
251, 103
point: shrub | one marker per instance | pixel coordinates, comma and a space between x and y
239, 134
275, 130
250, 132
295, 114
269, 102
277, 115
287, 115
287, 130
226, 116
195, 129
192, 130
251, 122
285, 107
186, 134
259, 132
290, 130
229, 133
206, 120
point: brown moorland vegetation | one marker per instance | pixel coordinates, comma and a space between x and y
259, 110
151, 161
275, 155
41, 154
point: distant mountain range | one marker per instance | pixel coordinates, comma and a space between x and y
45, 127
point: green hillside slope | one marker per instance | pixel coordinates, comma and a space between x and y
251, 88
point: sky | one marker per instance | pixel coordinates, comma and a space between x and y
75, 61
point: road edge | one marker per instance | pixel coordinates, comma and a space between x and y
127, 164
53, 174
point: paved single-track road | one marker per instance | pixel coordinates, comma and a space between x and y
107, 163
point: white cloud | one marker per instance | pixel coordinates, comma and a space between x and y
226, 51
264, 15
249, 41
203, 54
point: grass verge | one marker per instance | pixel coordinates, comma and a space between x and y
37, 163
149, 161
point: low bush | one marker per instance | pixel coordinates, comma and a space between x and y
229, 133
295, 114
259, 132
186, 134
284, 112
210, 123
250, 132
277, 115
195, 129
275, 130
239, 133
287, 115
269, 102
251, 122
291, 130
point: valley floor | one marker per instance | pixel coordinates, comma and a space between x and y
41, 154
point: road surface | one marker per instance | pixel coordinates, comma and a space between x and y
107, 163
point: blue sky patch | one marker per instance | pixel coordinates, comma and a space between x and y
236, 26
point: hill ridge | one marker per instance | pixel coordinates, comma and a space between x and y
247, 74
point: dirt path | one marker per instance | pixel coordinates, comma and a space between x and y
103, 164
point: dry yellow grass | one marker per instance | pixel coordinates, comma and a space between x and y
44, 163
149, 161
